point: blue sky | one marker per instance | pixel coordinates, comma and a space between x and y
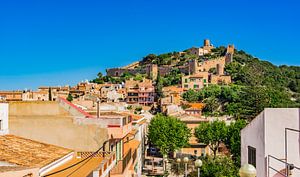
58, 42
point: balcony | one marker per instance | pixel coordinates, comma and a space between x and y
118, 132
122, 164
99, 164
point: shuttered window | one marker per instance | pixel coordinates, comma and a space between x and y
252, 156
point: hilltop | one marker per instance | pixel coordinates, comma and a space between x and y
253, 83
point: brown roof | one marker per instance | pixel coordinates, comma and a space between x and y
197, 75
29, 153
12, 168
172, 89
195, 106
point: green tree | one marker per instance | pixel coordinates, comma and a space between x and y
168, 133
191, 96
211, 105
100, 75
212, 133
233, 140
159, 86
70, 97
217, 167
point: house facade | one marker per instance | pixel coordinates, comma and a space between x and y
263, 142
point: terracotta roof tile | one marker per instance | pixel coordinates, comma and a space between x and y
29, 153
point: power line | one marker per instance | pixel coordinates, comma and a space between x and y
90, 156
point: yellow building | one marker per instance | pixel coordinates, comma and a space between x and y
195, 148
195, 81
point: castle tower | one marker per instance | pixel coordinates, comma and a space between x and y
153, 71
206, 43
220, 69
229, 53
230, 49
193, 66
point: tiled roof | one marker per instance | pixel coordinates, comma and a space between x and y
29, 153
12, 168
196, 106
173, 89
200, 74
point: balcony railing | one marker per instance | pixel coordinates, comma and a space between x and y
122, 164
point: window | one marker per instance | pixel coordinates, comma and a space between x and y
185, 80
186, 86
204, 80
196, 86
0, 124
202, 151
252, 156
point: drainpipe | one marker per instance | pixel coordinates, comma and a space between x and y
98, 107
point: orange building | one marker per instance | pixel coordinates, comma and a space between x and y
195, 109
11, 95
140, 92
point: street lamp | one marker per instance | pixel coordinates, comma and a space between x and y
185, 160
198, 164
247, 170
165, 160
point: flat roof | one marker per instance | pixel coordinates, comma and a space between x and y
82, 169
28, 153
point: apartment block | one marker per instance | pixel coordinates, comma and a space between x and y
140, 92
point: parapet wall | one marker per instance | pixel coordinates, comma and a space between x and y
29, 108
48, 122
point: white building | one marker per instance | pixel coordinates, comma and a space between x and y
4, 118
263, 142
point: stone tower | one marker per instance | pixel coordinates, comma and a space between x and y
206, 43
229, 53
220, 69
153, 71
193, 66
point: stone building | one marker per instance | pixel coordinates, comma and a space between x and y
195, 81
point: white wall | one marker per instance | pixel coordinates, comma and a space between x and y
266, 133
275, 123
253, 135
4, 118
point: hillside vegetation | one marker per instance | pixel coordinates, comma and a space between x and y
256, 84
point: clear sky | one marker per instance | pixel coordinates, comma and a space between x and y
58, 42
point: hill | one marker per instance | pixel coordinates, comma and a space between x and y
256, 84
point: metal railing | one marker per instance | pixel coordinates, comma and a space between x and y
288, 167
